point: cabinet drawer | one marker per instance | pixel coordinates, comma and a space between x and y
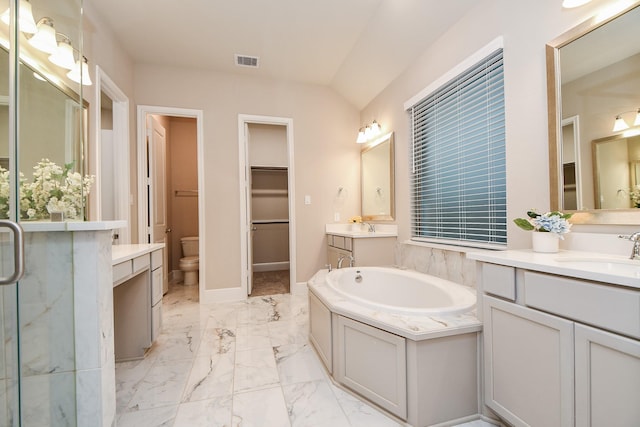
499, 280
156, 286
141, 262
156, 321
607, 307
122, 270
340, 242
156, 259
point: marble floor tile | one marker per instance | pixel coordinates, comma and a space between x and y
260, 408
210, 412
255, 369
157, 417
298, 363
237, 364
313, 404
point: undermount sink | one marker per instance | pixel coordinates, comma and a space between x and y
622, 266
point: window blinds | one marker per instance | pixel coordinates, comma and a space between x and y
458, 159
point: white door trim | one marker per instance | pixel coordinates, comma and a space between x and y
121, 151
143, 110
243, 149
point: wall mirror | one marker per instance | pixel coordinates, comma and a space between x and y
376, 165
593, 77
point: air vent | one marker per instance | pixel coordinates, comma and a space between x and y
247, 61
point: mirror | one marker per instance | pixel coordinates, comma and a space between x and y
589, 84
376, 165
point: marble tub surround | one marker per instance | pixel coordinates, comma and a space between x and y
445, 264
415, 328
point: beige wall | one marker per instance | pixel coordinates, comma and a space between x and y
325, 154
526, 29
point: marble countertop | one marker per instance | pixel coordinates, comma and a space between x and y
412, 327
612, 269
122, 253
37, 226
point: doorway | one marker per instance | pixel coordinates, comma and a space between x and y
267, 208
111, 158
170, 183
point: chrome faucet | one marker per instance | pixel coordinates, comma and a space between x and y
371, 227
635, 250
342, 258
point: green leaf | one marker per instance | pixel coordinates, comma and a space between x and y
524, 224
532, 214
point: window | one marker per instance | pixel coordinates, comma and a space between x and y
458, 159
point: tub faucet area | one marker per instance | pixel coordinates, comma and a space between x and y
343, 257
371, 228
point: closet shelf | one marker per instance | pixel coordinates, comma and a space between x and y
269, 192
270, 221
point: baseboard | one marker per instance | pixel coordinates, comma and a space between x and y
299, 289
271, 266
210, 296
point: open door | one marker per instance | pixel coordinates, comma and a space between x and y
157, 186
250, 227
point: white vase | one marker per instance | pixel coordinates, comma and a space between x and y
545, 242
356, 226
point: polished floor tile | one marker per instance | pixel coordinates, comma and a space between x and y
236, 365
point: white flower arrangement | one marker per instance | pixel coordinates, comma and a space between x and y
54, 189
551, 222
634, 195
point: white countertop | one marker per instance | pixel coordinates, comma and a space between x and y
36, 226
612, 269
345, 230
414, 327
122, 253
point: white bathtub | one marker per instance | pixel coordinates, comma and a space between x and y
401, 291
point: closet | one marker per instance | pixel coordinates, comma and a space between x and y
269, 210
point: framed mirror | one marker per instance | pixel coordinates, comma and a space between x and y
593, 77
377, 180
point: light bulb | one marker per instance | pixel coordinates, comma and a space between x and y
63, 56
45, 38
620, 124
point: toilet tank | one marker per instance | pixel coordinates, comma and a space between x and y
189, 246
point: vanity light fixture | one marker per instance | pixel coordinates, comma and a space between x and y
63, 56
26, 23
80, 72
45, 39
368, 133
620, 124
568, 4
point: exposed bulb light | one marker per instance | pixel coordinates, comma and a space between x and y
63, 56
568, 4
620, 124
361, 138
80, 73
367, 132
637, 120
45, 39
375, 129
26, 23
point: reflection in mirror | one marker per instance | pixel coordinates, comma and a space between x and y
593, 74
616, 159
376, 162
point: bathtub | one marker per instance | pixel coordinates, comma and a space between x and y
393, 336
401, 291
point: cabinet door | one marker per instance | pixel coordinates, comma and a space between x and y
320, 330
528, 365
607, 379
373, 363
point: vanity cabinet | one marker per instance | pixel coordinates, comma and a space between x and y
365, 250
559, 350
157, 282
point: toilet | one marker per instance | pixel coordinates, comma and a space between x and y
189, 263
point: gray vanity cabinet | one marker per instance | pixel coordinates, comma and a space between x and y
528, 365
560, 351
366, 251
607, 378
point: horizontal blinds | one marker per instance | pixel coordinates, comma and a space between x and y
458, 154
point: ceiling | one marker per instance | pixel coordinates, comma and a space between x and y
356, 47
